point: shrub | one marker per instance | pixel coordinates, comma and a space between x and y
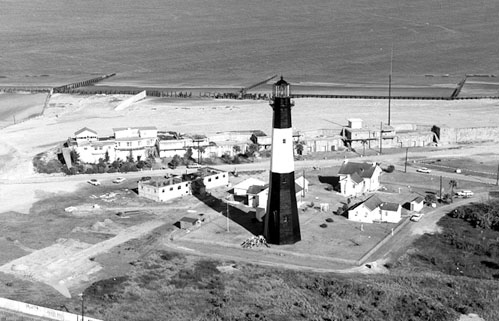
41, 164
389, 169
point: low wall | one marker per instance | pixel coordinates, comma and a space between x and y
466, 135
38, 311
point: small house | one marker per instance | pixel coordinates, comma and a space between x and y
415, 205
241, 189
189, 222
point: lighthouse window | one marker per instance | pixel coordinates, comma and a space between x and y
284, 141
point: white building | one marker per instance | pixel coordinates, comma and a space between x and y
171, 144
165, 189
357, 178
92, 152
375, 210
241, 189
137, 142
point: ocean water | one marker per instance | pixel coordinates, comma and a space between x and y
232, 43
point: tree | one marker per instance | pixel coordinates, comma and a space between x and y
106, 157
452, 185
176, 160
188, 156
430, 198
252, 149
75, 157
237, 149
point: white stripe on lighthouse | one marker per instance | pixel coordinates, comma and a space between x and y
282, 151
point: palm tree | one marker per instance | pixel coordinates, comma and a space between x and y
452, 185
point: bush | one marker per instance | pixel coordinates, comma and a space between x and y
389, 169
43, 166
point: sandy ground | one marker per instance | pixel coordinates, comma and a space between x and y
69, 262
66, 114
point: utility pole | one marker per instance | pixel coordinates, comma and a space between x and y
381, 138
497, 178
82, 306
440, 186
227, 215
390, 87
405, 167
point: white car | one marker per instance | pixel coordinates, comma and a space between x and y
423, 170
416, 217
465, 193
119, 180
94, 182
194, 165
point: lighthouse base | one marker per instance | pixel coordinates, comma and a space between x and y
282, 225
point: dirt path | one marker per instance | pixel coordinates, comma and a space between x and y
69, 262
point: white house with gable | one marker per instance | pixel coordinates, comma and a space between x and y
375, 210
357, 178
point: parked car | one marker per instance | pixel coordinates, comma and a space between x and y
194, 165
119, 180
465, 193
416, 217
423, 170
172, 165
94, 182
145, 178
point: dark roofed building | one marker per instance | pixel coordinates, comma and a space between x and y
357, 178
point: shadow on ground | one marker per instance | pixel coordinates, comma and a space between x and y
246, 220
334, 181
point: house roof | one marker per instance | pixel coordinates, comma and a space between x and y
85, 129
139, 128
259, 133
356, 178
393, 207
365, 170
249, 182
189, 220
418, 199
372, 202
255, 189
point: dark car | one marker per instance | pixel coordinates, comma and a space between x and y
145, 179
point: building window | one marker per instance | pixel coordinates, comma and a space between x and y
209, 179
284, 141
187, 185
179, 187
216, 177
171, 188
128, 144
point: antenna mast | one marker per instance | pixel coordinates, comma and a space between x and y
390, 86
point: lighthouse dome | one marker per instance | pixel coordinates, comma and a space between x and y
281, 88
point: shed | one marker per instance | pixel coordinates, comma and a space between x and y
188, 222
415, 204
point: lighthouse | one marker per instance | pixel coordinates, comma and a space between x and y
281, 220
